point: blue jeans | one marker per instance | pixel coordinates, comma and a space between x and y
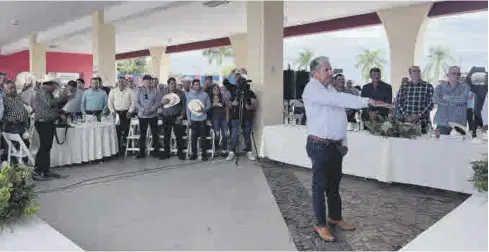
326, 177
220, 126
444, 130
246, 134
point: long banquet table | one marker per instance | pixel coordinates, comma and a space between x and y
83, 143
442, 164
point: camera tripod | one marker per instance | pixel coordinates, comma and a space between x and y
241, 106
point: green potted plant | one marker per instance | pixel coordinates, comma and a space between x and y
479, 178
17, 195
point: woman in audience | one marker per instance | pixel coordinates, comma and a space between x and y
218, 116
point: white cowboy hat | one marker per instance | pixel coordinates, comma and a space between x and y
24, 78
458, 128
195, 106
173, 98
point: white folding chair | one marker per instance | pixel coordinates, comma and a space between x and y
132, 137
21, 152
211, 137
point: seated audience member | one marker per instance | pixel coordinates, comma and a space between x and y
451, 99
94, 100
16, 113
121, 102
73, 107
379, 91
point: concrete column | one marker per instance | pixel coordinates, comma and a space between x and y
160, 63
103, 49
405, 28
37, 57
239, 43
265, 61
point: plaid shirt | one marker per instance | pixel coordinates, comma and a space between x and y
15, 110
451, 104
415, 99
46, 106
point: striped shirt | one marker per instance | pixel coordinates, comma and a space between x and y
452, 103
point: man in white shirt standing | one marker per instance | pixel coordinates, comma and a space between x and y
121, 102
326, 142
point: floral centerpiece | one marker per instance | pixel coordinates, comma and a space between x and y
392, 127
480, 174
17, 195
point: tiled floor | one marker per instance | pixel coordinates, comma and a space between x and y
219, 206
204, 206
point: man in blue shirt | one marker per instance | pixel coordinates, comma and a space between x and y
94, 100
147, 103
451, 98
198, 121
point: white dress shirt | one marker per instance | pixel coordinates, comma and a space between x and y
325, 110
484, 112
121, 100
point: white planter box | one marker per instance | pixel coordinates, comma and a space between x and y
33, 234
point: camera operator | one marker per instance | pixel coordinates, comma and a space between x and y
241, 91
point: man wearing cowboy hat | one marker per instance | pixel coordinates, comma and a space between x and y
47, 109
172, 115
198, 104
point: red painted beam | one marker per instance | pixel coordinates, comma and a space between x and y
134, 54
333, 25
369, 19
456, 7
199, 45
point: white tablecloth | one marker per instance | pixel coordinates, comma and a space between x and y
85, 142
434, 163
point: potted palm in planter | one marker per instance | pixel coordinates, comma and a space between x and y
17, 195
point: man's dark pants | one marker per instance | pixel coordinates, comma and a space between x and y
168, 125
199, 129
247, 127
46, 132
143, 126
326, 177
123, 128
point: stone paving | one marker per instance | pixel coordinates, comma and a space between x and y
387, 216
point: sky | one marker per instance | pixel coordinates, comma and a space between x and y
465, 35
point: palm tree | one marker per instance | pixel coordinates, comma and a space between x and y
217, 55
369, 59
134, 66
304, 59
439, 60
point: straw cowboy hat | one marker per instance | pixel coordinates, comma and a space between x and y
195, 106
173, 98
24, 78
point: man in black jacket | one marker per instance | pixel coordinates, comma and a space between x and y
376, 90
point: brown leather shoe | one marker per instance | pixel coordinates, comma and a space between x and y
341, 224
324, 233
